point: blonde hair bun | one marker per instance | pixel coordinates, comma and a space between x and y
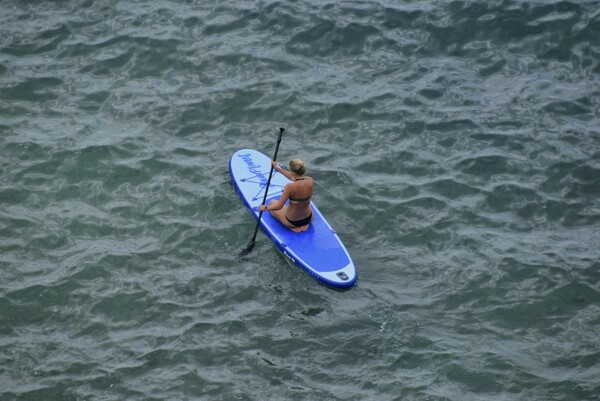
297, 166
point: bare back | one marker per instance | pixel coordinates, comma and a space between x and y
300, 192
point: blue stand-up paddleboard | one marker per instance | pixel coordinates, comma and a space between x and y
318, 250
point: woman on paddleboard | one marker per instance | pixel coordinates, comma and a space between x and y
298, 214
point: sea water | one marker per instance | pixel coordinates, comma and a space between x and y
455, 147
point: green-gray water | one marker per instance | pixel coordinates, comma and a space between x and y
456, 150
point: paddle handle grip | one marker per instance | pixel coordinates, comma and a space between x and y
278, 142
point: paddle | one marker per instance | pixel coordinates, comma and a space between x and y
248, 248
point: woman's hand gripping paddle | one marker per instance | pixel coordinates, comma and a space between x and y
248, 248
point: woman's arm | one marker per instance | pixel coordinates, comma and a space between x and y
278, 204
286, 174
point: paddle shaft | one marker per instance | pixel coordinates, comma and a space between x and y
250, 245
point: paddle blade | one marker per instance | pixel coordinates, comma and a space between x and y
247, 249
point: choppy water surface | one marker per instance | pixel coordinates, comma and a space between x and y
456, 149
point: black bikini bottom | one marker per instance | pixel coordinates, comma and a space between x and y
300, 223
